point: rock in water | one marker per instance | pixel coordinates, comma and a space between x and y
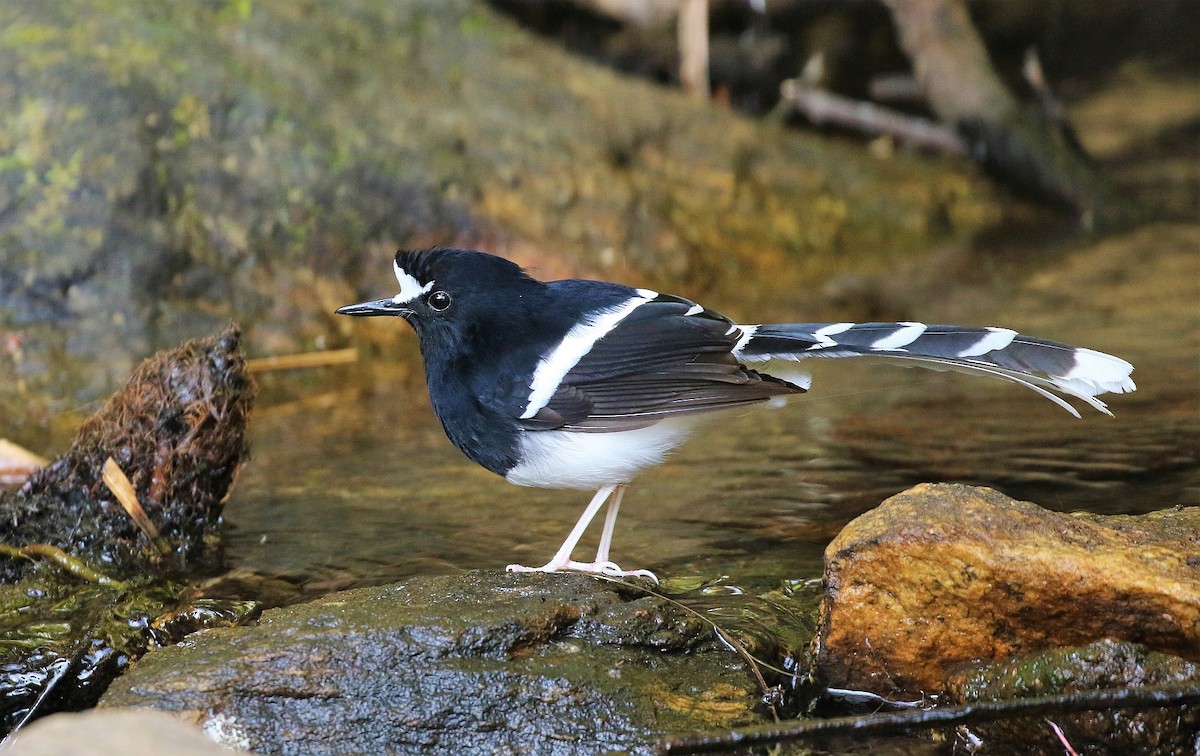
944, 575
1102, 665
473, 663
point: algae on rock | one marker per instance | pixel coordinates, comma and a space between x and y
212, 161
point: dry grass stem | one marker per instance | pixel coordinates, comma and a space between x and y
305, 360
122, 489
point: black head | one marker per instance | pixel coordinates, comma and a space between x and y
444, 291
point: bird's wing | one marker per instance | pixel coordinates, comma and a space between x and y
664, 356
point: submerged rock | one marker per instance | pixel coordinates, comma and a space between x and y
480, 662
944, 575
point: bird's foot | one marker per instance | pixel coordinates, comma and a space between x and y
611, 569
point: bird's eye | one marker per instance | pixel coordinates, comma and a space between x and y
438, 300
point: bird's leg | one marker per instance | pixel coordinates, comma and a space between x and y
602, 564
610, 522
562, 558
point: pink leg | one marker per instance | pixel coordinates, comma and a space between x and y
561, 561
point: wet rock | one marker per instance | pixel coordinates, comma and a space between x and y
62, 643
485, 662
177, 431
1103, 665
944, 575
140, 732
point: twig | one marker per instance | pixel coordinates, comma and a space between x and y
895, 88
821, 106
305, 360
1052, 109
58, 671
122, 489
71, 564
891, 723
1062, 739
1035, 76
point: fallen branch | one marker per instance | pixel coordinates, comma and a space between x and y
822, 107
962, 88
894, 723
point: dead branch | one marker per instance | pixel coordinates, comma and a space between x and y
962, 88
823, 107
899, 722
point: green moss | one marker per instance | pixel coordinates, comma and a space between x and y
56, 632
218, 149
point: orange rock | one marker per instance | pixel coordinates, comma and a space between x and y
945, 575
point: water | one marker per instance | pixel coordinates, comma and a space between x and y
358, 485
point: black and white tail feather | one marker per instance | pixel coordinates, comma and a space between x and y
1043, 366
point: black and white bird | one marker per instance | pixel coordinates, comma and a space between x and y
584, 384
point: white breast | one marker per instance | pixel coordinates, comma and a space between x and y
571, 459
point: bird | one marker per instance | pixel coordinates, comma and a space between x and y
583, 384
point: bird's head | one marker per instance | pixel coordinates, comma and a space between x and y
445, 293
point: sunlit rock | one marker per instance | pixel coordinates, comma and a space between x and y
941, 576
127, 731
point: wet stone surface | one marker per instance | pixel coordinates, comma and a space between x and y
1102, 665
483, 660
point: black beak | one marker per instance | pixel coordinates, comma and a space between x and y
375, 308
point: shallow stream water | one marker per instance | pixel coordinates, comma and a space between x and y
351, 485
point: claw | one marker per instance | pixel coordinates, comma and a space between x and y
610, 569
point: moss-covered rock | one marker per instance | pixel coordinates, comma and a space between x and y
481, 662
168, 167
1099, 666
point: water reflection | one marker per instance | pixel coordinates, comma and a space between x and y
356, 483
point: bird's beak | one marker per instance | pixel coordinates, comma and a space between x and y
375, 308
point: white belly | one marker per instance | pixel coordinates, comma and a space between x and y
569, 459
